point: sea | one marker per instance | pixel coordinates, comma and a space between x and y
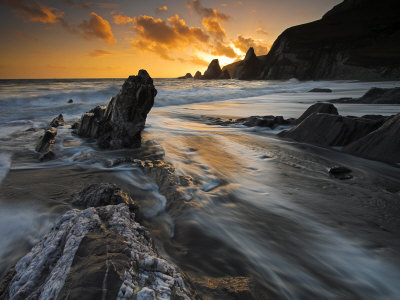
263, 207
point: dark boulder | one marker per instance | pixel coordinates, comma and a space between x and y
374, 96
340, 172
265, 121
46, 144
197, 75
120, 124
331, 130
250, 68
96, 253
318, 90
325, 108
187, 76
213, 71
70, 101
57, 121
382, 144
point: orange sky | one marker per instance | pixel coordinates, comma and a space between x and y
91, 39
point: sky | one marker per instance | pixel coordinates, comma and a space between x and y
114, 39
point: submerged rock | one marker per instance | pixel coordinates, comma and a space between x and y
265, 121
340, 172
331, 130
120, 124
374, 96
319, 90
326, 108
46, 144
70, 101
57, 121
382, 144
97, 253
213, 71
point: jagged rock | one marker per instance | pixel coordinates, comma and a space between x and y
102, 194
213, 71
319, 90
57, 121
70, 101
250, 68
382, 144
326, 108
120, 124
351, 41
224, 75
49, 155
97, 253
197, 75
331, 130
187, 76
47, 140
375, 96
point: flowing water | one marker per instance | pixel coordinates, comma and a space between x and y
263, 208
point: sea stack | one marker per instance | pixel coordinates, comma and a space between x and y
213, 71
120, 123
250, 68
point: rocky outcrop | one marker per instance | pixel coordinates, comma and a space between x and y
382, 144
57, 121
319, 90
197, 75
249, 68
224, 75
119, 125
254, 121
325, 108
357, 39
46, 144
102, 194
187, 76
95, 253
374, 96
331, 130
213, 71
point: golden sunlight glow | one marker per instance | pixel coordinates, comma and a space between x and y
223, 60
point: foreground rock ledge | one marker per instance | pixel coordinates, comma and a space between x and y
96, 253
120, 123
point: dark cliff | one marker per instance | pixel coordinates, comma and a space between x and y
357, 39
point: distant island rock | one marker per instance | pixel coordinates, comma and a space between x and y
197, 75
187, 76
120, 123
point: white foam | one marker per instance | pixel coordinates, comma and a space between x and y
5, 164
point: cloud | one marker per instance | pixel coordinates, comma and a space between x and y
121, 19
25, 35
99, 53
35, 11
261, 31
243, 44
97, 27
222, 50
194, 60
79, 4
205, 11
161, 9
213, 26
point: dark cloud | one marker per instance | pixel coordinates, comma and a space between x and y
99, 53
97, 27
35, 11
243, 44
205, 11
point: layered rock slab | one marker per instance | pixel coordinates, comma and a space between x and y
120, 123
